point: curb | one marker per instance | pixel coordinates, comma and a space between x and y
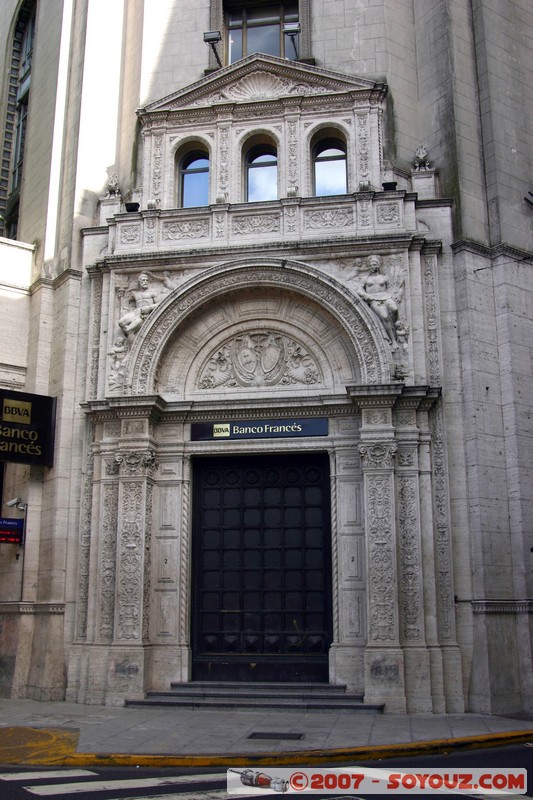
57, 747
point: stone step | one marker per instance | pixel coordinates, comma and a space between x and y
253, 689
264, 696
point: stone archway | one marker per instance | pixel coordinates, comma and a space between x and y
348, 311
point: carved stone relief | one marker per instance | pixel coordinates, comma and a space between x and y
262, 358
381, 578
260, 86
254, 224
328, 218
108, 560
85, 538
130, 570
409, 555
136, 463
137, 299
382, 286
443, 543
185, 229
378, 456
371, 356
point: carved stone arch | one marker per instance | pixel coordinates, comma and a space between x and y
347, 309
180, 142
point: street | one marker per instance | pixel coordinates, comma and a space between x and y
109, 783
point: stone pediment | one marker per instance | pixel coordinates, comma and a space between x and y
259, 78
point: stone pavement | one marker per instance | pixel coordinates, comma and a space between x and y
53, 733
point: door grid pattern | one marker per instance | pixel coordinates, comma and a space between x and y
261, 554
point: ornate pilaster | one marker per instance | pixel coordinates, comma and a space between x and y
185, 571
410, 561
384, 663
134, 469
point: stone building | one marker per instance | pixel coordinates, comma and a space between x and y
273, 263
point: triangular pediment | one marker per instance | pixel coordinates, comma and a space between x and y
260, 78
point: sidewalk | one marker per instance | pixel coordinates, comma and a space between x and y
61, 733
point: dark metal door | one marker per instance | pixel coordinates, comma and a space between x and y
261, 568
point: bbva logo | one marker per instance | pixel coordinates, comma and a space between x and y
16, 411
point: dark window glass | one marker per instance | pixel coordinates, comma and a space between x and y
330, 168
194, 180
261, 174
259, 29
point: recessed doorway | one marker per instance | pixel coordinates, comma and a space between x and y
261, 582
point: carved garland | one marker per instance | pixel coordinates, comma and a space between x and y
85, 543
130, 570
380, 540
433, 344
409, 566
108, 560
443, 544
96, 338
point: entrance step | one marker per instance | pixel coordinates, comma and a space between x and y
301, 697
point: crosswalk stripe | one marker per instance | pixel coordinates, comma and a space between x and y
38, 776
54, 790
207, 794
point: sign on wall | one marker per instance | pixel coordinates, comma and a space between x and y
259, 429
11, 531
27, 428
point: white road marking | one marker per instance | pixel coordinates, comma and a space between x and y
37, 776
132, 783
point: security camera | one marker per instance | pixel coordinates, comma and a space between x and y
13, 502
212, 37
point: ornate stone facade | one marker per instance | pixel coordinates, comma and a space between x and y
333, 324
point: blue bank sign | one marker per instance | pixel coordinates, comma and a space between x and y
259, 429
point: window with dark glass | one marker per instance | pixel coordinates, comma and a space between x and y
194, 180
259, 28
261, 165
329, 161
18, 94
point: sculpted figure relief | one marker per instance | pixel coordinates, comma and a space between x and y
141, 299
144, 300
382, 288
376, 292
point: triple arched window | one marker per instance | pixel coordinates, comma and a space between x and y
328, 160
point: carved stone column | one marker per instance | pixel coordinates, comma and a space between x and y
126, 667
410, 561
384, 663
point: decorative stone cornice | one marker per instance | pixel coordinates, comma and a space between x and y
500, 250
502, 606
148, 407
396, 395
26, 607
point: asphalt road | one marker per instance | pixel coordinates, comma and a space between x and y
112, 783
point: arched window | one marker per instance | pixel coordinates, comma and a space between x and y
329, 163
261, 168
194, 179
